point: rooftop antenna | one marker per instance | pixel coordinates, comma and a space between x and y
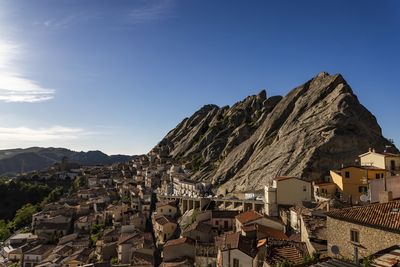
387, 146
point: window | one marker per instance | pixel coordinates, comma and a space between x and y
347, 174
161, 210
355, 236
362, 189
225, 224
304, 188
235, 263
216, 222
377, 176
392, 165
170, 210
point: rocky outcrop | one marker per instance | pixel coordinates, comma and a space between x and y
316, 127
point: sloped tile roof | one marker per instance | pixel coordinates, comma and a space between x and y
248, 216
384, 216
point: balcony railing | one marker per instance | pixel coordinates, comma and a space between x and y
324, 195
395, 168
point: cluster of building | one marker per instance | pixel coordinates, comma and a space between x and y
148, 212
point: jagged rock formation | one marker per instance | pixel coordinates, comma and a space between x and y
316, 127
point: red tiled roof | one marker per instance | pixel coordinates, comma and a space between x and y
287, 252
141, 259
264, 231
281, 250
243, 243
382, 215
179, 241
248, 216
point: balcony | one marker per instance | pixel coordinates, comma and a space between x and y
394, 169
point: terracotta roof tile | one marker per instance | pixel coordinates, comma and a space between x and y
290, 251
248, 216
265, 231
179, 241
382, 215
237, 241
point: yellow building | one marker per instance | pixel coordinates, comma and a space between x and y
352, 182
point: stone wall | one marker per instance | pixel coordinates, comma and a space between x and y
371, 240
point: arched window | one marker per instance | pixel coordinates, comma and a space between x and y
392, 165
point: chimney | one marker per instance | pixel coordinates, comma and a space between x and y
373, 150
385, 196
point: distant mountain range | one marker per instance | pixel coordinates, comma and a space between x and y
13, 161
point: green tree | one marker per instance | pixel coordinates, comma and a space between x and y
284, 263
53, 196
4, 231
114, 261
23, 217
78, 183
368, 261
95, 232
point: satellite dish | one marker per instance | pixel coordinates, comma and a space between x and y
335, 250
364, 198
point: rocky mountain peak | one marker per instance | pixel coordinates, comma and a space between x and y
316, 127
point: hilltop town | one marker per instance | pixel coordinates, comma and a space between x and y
148, 212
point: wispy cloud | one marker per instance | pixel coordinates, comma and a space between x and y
68, 20
138, 12
61, 23
14, 86
152, 11
25, 134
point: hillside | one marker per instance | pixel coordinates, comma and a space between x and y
317, 126
36, 158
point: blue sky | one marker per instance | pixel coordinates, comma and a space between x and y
118, 75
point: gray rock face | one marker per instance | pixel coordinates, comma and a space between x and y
316, 127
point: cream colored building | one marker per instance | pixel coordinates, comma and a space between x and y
324, 191
166, 209
164, 228
388, 161
286, 191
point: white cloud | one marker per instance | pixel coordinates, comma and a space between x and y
14, 86
156, 10
64, 22
25, 134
